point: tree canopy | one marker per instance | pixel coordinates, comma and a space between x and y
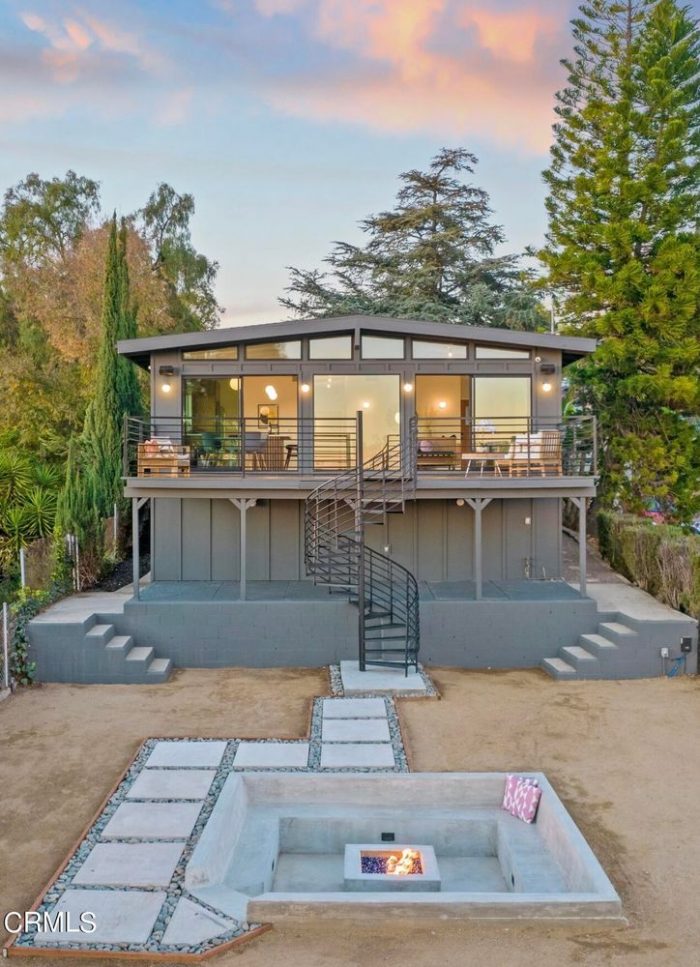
433, 256
622, 249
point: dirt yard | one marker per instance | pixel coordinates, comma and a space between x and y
622, 756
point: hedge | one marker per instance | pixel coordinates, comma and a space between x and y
660, 558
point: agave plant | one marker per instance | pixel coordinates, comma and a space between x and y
40, 511
15, 477
46, 476
16, 524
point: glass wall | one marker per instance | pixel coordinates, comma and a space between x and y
340, 397
211, 410
502, 407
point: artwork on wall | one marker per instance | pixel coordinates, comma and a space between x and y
268, 416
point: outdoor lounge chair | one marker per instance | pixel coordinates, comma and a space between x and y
537, 452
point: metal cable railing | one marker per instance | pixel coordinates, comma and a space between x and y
336, 515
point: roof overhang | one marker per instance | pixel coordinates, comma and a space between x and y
140, 350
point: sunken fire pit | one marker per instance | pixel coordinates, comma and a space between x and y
400, 867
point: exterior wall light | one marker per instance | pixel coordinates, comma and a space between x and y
167, 372
366, 405
408, 387
442, 405
305, 388
271, 393
460, 502
546, 387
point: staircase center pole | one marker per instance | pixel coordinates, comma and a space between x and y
360, 537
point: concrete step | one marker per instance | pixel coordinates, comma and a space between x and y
598, 645
120, 645
559, 669
586, 664
140, 655
617, 632
159, 670
100, 634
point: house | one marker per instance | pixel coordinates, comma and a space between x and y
465, 503
358, 487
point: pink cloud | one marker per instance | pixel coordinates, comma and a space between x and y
485, 80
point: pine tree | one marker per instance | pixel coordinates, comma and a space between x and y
430, 257
77, 507
128, 390
622, 247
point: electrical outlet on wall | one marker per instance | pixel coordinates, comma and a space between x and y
664, 652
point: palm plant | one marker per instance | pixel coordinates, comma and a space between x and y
15, 476
40, 510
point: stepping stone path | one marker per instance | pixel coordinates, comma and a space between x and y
129, 869
355, 734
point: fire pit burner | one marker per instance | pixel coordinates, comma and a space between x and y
406, 863
369, 867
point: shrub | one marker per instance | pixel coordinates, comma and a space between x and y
662, 559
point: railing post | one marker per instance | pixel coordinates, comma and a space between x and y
360, 535
594, 431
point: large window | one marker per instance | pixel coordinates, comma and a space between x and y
427, 349
210, 403
331, 347
382, 347
336, 402
501, 409
220, 352
501, 352
290, 349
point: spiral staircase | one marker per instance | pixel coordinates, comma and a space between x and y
336, 516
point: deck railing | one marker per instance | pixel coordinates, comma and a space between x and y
508, 446
179, 447
504, 446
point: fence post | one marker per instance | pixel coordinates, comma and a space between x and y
22, 568
5, 646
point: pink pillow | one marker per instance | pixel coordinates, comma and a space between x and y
522, 797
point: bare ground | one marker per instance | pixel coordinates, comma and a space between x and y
623, 756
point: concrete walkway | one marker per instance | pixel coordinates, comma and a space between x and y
129, 870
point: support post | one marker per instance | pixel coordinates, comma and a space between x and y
360, 536
580, 502
135, 546
243, 504
477, 504
22, 568
136, 505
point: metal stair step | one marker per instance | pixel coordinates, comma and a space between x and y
558, 668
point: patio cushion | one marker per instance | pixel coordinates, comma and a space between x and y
521, 797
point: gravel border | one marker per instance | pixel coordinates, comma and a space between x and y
176, 888
337, 690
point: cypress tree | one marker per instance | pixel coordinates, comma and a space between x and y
622, 246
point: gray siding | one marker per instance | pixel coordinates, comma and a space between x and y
199, 540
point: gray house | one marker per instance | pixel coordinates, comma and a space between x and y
280, 461
358, 487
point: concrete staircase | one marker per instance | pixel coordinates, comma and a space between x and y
128, 661
596, 655
78, 644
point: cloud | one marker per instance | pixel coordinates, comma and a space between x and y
445, 67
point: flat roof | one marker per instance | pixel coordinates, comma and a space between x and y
571, 347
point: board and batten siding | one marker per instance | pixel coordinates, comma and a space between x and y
199, 540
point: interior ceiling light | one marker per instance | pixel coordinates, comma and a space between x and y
271, 392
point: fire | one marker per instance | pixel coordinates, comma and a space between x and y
408, 863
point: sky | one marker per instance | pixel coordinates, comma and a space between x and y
288, 120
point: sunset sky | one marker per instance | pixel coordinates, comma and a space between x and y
288, 120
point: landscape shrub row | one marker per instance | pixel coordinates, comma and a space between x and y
660, 558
